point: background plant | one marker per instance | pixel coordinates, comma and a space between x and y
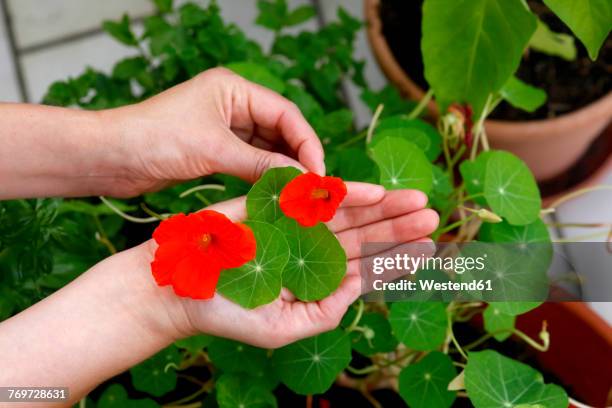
411, 342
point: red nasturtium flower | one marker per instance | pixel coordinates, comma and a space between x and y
310, 198
194, 248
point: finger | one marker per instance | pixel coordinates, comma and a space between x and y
234, 209
278, 118
393, 204
360, 194
405, 228
312, 318
249, 163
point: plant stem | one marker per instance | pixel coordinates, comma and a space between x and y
451, 334
219, 187
478, 128
127, 216
353, 139
456, 224
355, 322
373, 123
362, 371
422, 105
577, 193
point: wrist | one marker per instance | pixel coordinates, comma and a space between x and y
157, 309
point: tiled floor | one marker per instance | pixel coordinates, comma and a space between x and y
52, 39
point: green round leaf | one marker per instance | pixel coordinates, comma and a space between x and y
235, 357
536, 232
242, 391
416, 131
425, 384
259, 74
496, 321
375, 336
402, 165
511, 190
419, 325
317, 262
194, 344
310, 366
473, 174
258, 282
494, 381
154, 375
262, 199
442, 189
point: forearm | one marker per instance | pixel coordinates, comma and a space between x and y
106, 321
50, 151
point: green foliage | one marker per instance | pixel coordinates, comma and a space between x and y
311, 365
259, 281
402, 165
470, 55
470, 49
493, 380
556, 44
523, 96
262, 199
317, 262
156, 375
425, 384
419, 325
590, 20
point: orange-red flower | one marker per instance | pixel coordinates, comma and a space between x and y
194, 248
310, 198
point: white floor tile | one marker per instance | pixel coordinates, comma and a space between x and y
372, 73
8, 81
38, 21
42, 68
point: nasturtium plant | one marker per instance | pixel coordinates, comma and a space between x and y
425, 384
471, 51
402, 165
262, 199
317, 262
259, 281
419, 325
310, 366
157, 375
493, 380
510, 189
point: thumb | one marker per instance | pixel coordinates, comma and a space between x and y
249, 162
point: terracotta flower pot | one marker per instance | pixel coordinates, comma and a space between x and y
549, 146
580, 352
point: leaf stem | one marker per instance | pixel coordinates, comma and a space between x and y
355, 322
456, 224
128, 217
364, 370
373, 123
422, 105
219, 187
451, 334
577, 193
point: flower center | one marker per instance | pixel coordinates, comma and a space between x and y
205, 241
319, 193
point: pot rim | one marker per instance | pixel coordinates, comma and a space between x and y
394, 72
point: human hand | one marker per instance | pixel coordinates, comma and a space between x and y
369, 214
217, 122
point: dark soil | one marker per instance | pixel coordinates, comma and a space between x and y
569, 85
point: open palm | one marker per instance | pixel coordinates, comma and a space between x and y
369, 214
